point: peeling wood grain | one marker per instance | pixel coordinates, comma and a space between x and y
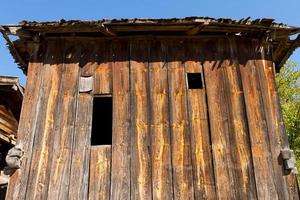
180, 133
120, 166
140, 139
162, 184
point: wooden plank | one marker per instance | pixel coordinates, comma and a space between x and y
229, 131
39, 175
140, 139
64, 125
81, 148
180, 134
262, 160
88, 57
224, 177
203, 171
234, 104
99, 181
162, 184
293, 187
120, 167
276, 130
82, 137
103, 73
7, 138
8, 122
28, 119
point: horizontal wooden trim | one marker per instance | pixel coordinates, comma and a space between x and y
102, 95
100, 146
7, 139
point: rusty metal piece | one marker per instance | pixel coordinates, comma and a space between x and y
289, 160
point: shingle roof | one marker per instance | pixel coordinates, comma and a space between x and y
278, 33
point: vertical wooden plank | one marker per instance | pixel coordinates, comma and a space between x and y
82, 134
28, 119
99, 182
293, 187
224, 177
239, 133
258, 129
140, 139
88, 58
162, 185
81, 148
180, 135
64, 125
276, 130
103, 73
120, 167
203, 171
38, 178
229, 128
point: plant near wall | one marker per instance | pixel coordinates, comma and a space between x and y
288, 86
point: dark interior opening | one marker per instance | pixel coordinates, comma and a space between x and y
194, 81
102, 121
4, 147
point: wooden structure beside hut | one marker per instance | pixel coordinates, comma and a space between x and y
11, 96
152, 109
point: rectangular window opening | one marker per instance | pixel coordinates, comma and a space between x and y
102, 121
194, 81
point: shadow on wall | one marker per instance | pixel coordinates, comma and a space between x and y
229, 50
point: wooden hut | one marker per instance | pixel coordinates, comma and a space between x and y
11, 96
152, 109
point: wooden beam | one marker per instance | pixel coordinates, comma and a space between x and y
195, 30
7, 138
16, 30
13, 49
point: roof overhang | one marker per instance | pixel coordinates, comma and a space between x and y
31, 32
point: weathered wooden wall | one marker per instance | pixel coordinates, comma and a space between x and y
11, 95
168, 141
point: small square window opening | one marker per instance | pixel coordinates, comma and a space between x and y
194, 81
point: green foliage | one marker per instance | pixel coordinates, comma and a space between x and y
288, 86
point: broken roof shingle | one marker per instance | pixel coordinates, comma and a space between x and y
188, 26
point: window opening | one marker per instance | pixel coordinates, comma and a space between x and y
194, 81
102, 121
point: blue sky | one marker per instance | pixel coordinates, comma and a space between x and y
45, 10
